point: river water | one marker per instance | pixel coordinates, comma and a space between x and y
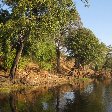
94, 97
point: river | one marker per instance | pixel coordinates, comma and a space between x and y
94, 97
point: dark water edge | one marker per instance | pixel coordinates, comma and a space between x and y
94, 97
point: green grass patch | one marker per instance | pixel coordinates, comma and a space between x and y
82, 79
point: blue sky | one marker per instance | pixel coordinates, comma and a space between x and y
98, 18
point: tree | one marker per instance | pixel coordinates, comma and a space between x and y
108, 59
69, 15
44, 53
82, 45
33, 21
100, 56
4, 17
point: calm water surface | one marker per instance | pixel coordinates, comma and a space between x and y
95, 97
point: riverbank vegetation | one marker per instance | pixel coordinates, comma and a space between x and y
45, 41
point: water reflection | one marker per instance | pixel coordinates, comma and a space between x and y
70, 96
89, 88
13, 102
95, 97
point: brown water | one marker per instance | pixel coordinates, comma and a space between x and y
95, 97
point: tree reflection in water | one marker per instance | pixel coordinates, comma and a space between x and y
13, 102
96, 97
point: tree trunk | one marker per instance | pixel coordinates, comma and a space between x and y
58, 59
16, 60
19, 49
76, 65
13, 102
58, 99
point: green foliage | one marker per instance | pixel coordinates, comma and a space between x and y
108, 59
82, 45
23, 62
41, 25
100, 56
4, 16
44, 53
8, 59
6, 52
32, 21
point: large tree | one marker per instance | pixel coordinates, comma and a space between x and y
33, 21
66, 16
82, 45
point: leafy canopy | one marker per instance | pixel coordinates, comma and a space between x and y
82, 45
33, 21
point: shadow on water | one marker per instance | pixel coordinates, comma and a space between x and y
94, 97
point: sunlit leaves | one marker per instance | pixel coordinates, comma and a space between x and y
82, 45
108, 58
33, 22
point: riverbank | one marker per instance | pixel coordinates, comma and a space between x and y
32, 76
8, 87
51, 81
